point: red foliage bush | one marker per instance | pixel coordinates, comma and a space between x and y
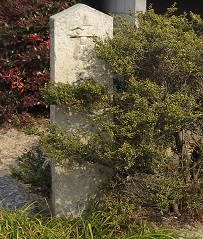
24, 47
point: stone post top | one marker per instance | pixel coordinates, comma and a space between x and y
76, 9
81, 20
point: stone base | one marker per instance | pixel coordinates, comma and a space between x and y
73, 191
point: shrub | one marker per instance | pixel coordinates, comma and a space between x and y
158, 113
34, 169
157, 105
24, 45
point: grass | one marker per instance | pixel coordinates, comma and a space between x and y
21, 225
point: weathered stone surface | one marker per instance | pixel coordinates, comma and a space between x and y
75, 189
73, 59
72, 32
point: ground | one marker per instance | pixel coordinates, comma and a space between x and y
14, 142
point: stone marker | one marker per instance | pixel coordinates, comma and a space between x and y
72, 58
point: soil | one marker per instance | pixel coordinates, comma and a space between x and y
13, 143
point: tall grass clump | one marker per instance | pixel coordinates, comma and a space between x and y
21, 225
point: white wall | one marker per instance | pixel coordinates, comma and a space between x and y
123, 6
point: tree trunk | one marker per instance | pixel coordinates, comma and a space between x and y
184, 155
176, 209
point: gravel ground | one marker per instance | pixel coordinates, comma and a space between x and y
13, 194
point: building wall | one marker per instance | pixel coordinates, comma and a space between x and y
117, 6
123, 7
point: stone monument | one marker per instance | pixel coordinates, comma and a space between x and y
72, 58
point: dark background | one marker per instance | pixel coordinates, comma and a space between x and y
160, 6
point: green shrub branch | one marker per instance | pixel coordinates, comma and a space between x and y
86, 95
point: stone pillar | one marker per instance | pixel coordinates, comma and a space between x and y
72, 58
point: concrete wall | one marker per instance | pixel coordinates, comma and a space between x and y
123, 6
72, 58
